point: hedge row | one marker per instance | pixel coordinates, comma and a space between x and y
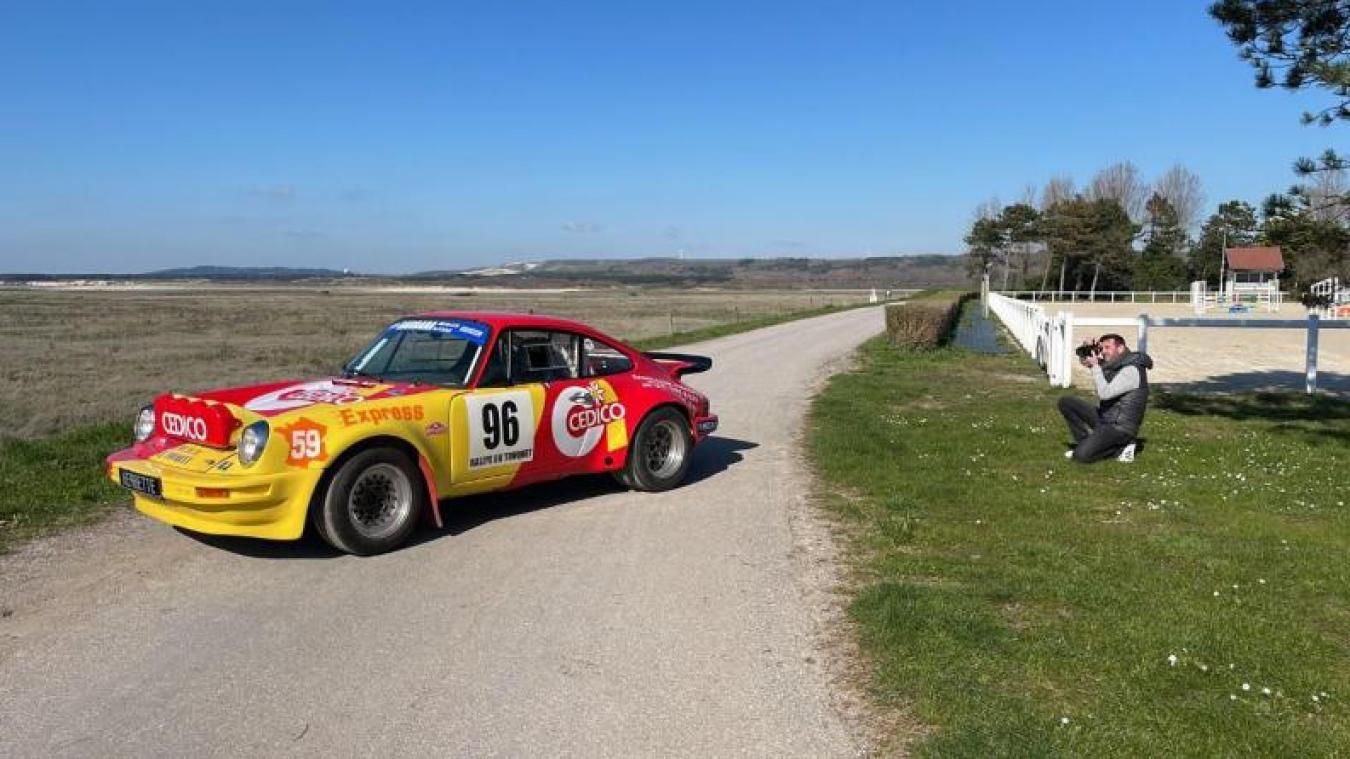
923, 324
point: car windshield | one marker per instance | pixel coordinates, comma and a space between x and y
431, 351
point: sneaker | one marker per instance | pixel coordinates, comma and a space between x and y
1127, 455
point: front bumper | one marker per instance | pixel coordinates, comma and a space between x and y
263, 505
704, 426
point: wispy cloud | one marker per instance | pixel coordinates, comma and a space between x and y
582, 227
273, 192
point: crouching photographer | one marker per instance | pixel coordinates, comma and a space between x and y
1120, 377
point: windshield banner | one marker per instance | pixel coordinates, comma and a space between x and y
472, 331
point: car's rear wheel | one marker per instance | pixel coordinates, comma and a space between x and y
661, 452
372, 503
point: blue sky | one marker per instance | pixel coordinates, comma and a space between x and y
398, 137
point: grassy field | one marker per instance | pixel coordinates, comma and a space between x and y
78, 358
83, 362
1195, 602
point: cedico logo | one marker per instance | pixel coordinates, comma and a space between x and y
299, 396
579, 420
190, 427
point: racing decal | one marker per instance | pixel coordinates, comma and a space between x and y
304, 394
474, 333
352, 417
686, 394
582, 415
305, 441
187, 427
501, 428
436, 428
181, 456
194, 420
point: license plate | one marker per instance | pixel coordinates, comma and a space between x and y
141, 483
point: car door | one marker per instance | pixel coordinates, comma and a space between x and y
587, 417
496, 425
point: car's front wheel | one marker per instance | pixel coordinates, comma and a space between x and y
372, 502
661, 452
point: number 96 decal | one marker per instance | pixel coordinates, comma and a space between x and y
501, 429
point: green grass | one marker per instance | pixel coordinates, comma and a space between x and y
1001, 589
57, 481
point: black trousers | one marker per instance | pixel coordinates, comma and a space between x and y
1093, 441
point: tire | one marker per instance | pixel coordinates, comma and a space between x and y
661, 451
621, 476
372, 503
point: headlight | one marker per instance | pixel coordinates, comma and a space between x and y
145, 424
252, 442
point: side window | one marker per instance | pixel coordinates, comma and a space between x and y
538, 356
599, 359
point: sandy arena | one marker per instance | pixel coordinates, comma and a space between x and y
1214, 359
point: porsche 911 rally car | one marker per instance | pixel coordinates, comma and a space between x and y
439, 405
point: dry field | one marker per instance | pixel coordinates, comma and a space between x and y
1225, 360
75, 357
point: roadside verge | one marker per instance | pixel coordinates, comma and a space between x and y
1016, 604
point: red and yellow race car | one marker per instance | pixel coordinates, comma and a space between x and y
440, 405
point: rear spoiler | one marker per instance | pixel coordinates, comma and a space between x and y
684, 363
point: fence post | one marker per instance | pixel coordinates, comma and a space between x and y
1313, 324
1143, 333
1066, 352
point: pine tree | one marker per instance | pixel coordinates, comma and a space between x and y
1160, 266
1234, 223
984, 246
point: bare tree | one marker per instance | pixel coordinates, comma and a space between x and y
1057, 190
1325, 193
988, 209
1029, 195
1060, 189
1120, 182
1181, 187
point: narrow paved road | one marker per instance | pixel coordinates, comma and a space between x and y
565, 620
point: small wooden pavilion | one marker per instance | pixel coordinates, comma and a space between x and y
1252, 271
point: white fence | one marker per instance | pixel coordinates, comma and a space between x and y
1101, 296
1337, 295
1041, 335
1049, 339
1133, 296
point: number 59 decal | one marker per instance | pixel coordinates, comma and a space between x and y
501, 428
305, 442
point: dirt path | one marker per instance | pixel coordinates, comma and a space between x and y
573, 619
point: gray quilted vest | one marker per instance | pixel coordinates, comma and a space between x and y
1126, 412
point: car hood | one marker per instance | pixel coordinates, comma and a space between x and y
276, 398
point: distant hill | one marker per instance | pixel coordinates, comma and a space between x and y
883, 272
243, 273
894, 272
